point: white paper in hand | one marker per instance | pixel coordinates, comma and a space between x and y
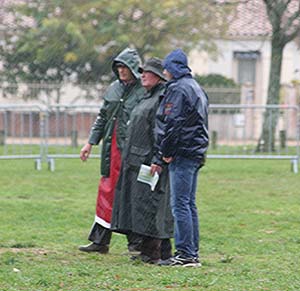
145, 176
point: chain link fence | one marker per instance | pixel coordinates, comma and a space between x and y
22, 130
46, 134
236, 132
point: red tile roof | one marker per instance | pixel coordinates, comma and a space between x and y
251, 19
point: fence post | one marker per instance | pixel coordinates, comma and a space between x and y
2, 137
38, 164
51, 165
74, 138
294, 166
282, 137
214, 139
44, 132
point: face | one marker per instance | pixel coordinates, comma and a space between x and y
167, 74
125, 74
149, 79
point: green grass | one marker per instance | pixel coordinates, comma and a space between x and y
246, 149
250, 237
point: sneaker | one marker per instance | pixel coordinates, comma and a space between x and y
180, 260
92, 247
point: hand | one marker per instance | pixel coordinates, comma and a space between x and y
85, 152
155, 169
168, 160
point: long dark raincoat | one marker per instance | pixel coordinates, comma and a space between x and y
136, 207
110, 127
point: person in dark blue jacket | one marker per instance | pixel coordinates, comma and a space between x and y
181, 134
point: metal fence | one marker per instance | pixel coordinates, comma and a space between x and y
21, 133
235, 132
44, 134
67, 129
47, 134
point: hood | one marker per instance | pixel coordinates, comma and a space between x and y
130, 58
176, 63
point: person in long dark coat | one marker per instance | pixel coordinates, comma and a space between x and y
136, 208
110, 127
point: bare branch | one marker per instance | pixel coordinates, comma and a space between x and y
290, 20
291, 36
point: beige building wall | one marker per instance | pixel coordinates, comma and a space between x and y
225, 64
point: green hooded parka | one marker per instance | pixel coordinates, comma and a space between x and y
119, 100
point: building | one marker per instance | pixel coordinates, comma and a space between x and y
245, 53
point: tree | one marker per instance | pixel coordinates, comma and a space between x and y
42, 47
284, 16
75, 40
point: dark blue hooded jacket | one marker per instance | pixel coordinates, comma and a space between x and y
182, 118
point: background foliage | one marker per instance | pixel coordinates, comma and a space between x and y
215, 81
55, 41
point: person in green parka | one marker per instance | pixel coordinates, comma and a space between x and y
110, 127
137, 209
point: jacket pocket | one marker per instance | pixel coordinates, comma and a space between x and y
138, 155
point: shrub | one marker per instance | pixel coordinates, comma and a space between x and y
215, 80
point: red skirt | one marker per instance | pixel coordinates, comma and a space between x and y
107, 185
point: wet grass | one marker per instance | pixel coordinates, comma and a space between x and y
250, 239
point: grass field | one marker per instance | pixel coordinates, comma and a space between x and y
250, 234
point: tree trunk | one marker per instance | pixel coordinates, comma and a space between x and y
58, 94
266, 142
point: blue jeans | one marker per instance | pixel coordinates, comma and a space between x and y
183, 182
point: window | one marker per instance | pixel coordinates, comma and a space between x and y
246, 66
